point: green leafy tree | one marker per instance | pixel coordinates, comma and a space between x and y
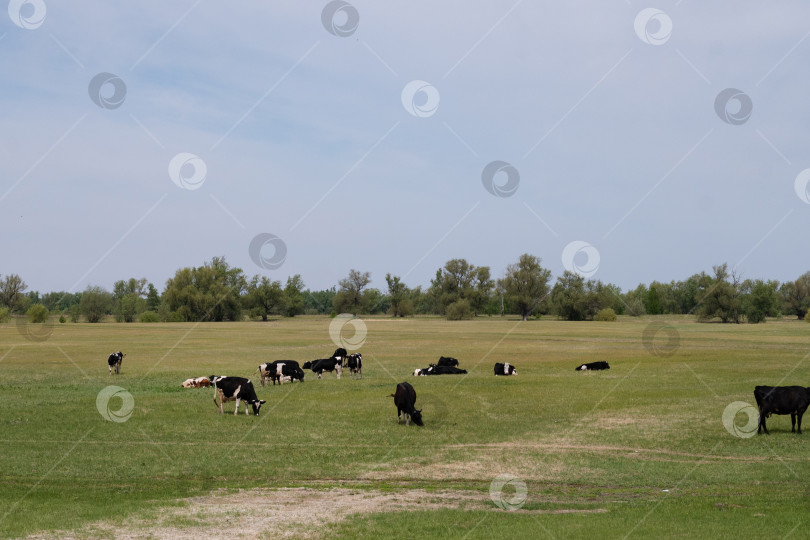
460, 280
400, 301
95, 303
760, 299
525, 285
293, 300
264, 296
152, 298
719, 296
349, 298
569, 297
37, 313
209, 292
12, 289
795, 296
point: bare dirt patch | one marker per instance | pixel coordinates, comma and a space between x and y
285, 513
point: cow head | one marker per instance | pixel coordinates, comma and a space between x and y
299, 374
256, 406
416, 416
307, 364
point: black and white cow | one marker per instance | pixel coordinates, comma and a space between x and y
325, 364
433, 369
447, 361
114, 361
355, 364
404, 399
792, 400
235, 389
593, 366
341, 353
504, 368
278, 370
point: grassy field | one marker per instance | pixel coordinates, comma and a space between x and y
637, 451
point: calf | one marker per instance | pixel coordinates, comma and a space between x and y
278, 370
355, 364
447, 361
404, 399
114, 361
235, 389
325, 364
504, 369
792, 400
198, 382
592, 366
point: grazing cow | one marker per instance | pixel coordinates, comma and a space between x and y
235, 389
404, 399
504, 369
325, 364
447, 361
198, 382
341, 353
114, 361
278, 370
355, 364
792, 400
591, 366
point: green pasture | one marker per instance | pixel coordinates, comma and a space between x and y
638, 451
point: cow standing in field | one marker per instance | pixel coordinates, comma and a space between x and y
342, 354
404, 399
279, 370
325, 364
355, 364
114, 361
504, 368
593, 366
235, 389
792, 400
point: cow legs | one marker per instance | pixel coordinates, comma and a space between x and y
799, 422
762, 424
793, 423
236, 411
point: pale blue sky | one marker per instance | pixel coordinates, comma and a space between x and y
610, 123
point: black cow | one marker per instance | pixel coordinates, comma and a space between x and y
341, 353
325, 364
114, 361
447, 361
278, 369
592, 366
235, 389
404, 399
504, 368
355, 364
792, 400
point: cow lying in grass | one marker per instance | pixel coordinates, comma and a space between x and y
593, 366
235, 389
447, 361
504, 368
433, 369
198, 382
404, 399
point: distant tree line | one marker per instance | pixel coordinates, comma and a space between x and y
459, 290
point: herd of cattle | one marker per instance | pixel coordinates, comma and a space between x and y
784, 400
